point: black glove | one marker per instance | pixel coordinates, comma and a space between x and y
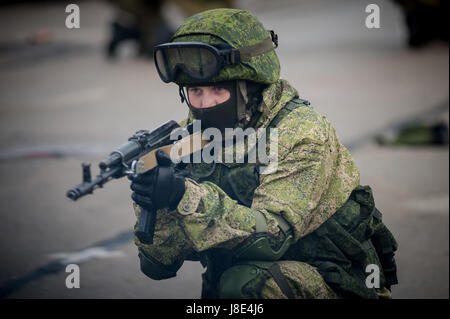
161, 187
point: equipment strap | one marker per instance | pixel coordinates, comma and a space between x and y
281, 281
290, 106
253, 50
284, 226
260, 222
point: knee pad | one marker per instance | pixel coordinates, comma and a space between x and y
235, 278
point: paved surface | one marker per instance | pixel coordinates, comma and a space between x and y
63, 103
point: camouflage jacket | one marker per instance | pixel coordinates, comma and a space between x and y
315, 176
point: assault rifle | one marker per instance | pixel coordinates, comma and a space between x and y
137, 156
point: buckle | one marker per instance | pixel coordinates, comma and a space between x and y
232, 56
274, 37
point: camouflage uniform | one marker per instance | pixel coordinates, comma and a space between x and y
313, 201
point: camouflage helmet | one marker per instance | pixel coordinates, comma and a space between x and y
237, 28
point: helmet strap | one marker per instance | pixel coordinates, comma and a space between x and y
246, 53
182, 94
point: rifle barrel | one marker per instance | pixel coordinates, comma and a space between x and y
85, 188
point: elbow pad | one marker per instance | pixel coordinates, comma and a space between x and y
156, 270
257, 246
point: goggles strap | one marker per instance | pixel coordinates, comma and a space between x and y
259, 48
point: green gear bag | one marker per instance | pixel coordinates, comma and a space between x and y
353, 238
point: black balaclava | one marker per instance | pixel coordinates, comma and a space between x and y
235, 112
221, 116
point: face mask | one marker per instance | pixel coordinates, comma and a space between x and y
220, 116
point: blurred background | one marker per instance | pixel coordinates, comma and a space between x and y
73, 95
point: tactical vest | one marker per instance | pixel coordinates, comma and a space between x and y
341, 248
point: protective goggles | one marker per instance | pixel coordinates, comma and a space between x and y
201, 61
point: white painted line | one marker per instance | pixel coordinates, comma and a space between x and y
86, 254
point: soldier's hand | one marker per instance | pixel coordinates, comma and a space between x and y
160, 187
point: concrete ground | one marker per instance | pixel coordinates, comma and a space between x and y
64, 103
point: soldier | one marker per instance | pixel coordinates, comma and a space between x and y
305, 230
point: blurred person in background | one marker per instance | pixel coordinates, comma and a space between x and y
426, 20
143, 21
